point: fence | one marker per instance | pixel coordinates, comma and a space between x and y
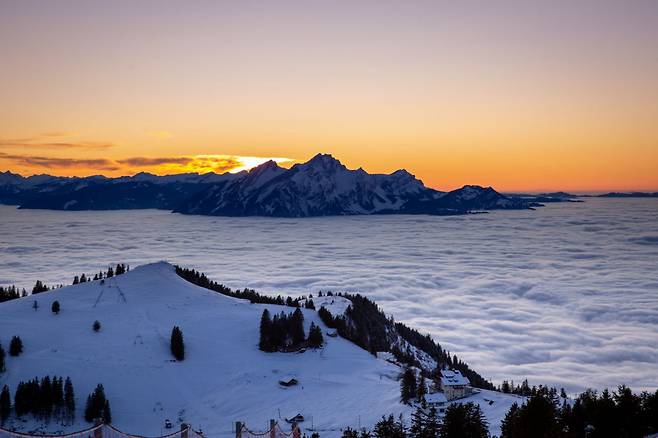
275, 431
102, 431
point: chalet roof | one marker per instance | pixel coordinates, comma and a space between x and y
436, 398
453, 378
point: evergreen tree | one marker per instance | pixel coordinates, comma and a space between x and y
96, 402
35, 305
5, 404
265, 343
69, 400
432, 424
107, 412
110, 272
76, 280
177, 344
55, 307
297, 327
39, 287
83, 278
15, 346
96, 326
389, 428
421, 390
326, 317
3, 368
418, 424
315, 338
45, 398
408, 387
464, 421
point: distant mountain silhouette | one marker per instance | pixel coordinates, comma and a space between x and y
323, 186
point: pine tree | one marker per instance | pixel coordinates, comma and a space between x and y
45, 398
2, 360
421, 390
15, 346
96, 402
39, 287
96, 326
432, 423
265, 343
297, 327
107, 412
315, 339
55, 307
5, 404
389, 428
464, 421
69, 400
418, 424
83, 278
177, 344
408, 387
110, 272
76, 280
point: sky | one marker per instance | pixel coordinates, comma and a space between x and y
518, 95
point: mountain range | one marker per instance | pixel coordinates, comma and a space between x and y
323, 186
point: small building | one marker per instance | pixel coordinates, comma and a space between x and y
287, 383
437, 400
296, 419
454, 385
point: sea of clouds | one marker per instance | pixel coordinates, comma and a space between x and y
566, 295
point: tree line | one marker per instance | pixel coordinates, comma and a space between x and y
44, 399
459, 421
592, 415
365, 324
8, 293
200, 279
286, 332
52, 398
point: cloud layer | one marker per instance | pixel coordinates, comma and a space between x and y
565, 295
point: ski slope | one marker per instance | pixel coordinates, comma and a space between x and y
224, 377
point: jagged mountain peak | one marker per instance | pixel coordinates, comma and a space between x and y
268, 165
323, 162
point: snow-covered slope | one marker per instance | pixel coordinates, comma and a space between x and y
224, 377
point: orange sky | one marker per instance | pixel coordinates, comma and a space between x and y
519, 97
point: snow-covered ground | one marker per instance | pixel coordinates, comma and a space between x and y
224, 378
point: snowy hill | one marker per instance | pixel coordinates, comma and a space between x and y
224, 377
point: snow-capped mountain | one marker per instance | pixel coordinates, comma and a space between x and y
320, 187
224, 377
323, 186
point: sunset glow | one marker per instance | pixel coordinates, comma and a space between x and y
512, 95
